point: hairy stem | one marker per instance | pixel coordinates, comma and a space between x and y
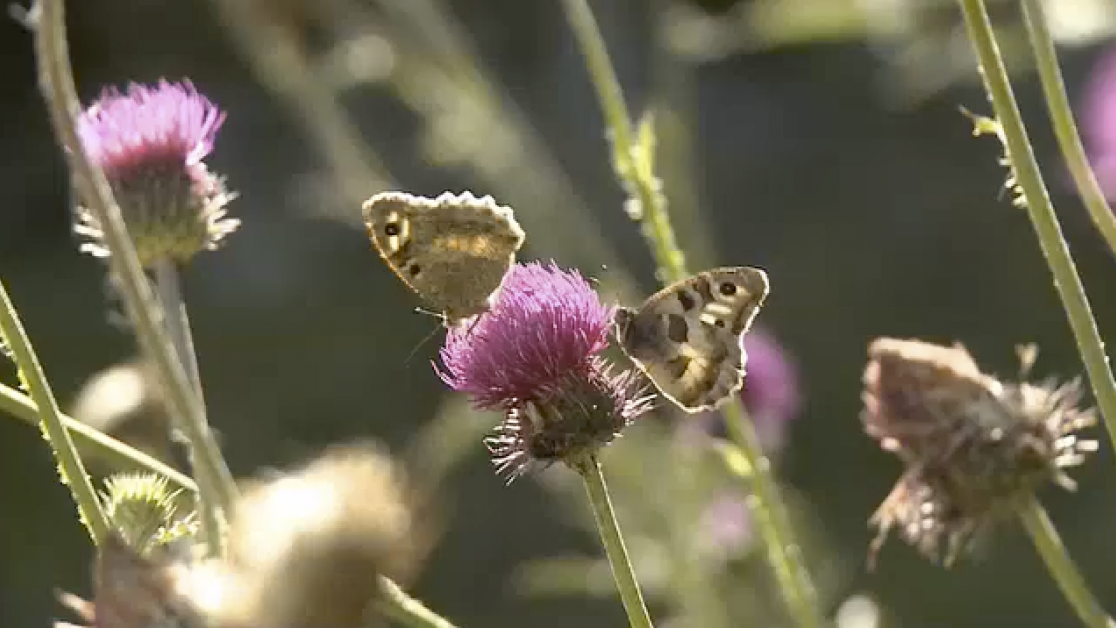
50, 420
634, 167
177, 325
1061, 116
622, 571
56, 82
1041, 211
24, 408
1061, 567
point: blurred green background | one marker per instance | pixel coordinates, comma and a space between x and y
818, 139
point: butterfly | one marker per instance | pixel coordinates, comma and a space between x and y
132, 591
453, 251
688, 337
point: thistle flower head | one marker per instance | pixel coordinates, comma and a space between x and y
150, 142
308, 547
536, 356
974, 446
725, 529
1098, 124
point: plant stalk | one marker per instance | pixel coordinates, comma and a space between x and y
56, 83
622, 571
1041, 211
634, 168
1061, 567
177, 324
407, 611
31, 374
24, 408
1061, 117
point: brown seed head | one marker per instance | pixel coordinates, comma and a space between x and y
309, 546
974, 446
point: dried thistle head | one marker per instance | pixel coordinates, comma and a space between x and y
974, 445
307, 547
133, 591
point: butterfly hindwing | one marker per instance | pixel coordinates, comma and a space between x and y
688, 336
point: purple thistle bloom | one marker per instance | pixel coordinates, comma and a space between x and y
535, 355
150, 142
725, 528
1099, 121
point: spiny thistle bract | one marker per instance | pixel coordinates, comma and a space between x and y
145, 511
150, 142
974, 446
536, 356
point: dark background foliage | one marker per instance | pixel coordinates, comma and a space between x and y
872, 218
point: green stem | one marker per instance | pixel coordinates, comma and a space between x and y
23, 407
1061, 116
1061, 567
57, 85
50, 418
634, 167
1041, 211
769, 512
404, 609
177, 324
622, 571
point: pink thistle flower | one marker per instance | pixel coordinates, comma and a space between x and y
536, 356
1098, 121
150, 142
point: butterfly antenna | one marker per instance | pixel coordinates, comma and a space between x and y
427, 338
420, 344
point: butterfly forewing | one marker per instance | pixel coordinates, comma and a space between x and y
688, 336
453, 251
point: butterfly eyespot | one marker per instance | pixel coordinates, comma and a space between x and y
392, 229
728, 289
414, 269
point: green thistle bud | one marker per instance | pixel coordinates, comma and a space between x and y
145, 511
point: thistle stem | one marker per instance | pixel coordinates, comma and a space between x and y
1061, 567
177, 325
407, 611
56, 83
1041, 211
635, 171
622, 571
24, 408
50, 420
1061, 116
632, 165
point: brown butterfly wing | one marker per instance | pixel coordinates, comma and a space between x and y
688, 336
453, 251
